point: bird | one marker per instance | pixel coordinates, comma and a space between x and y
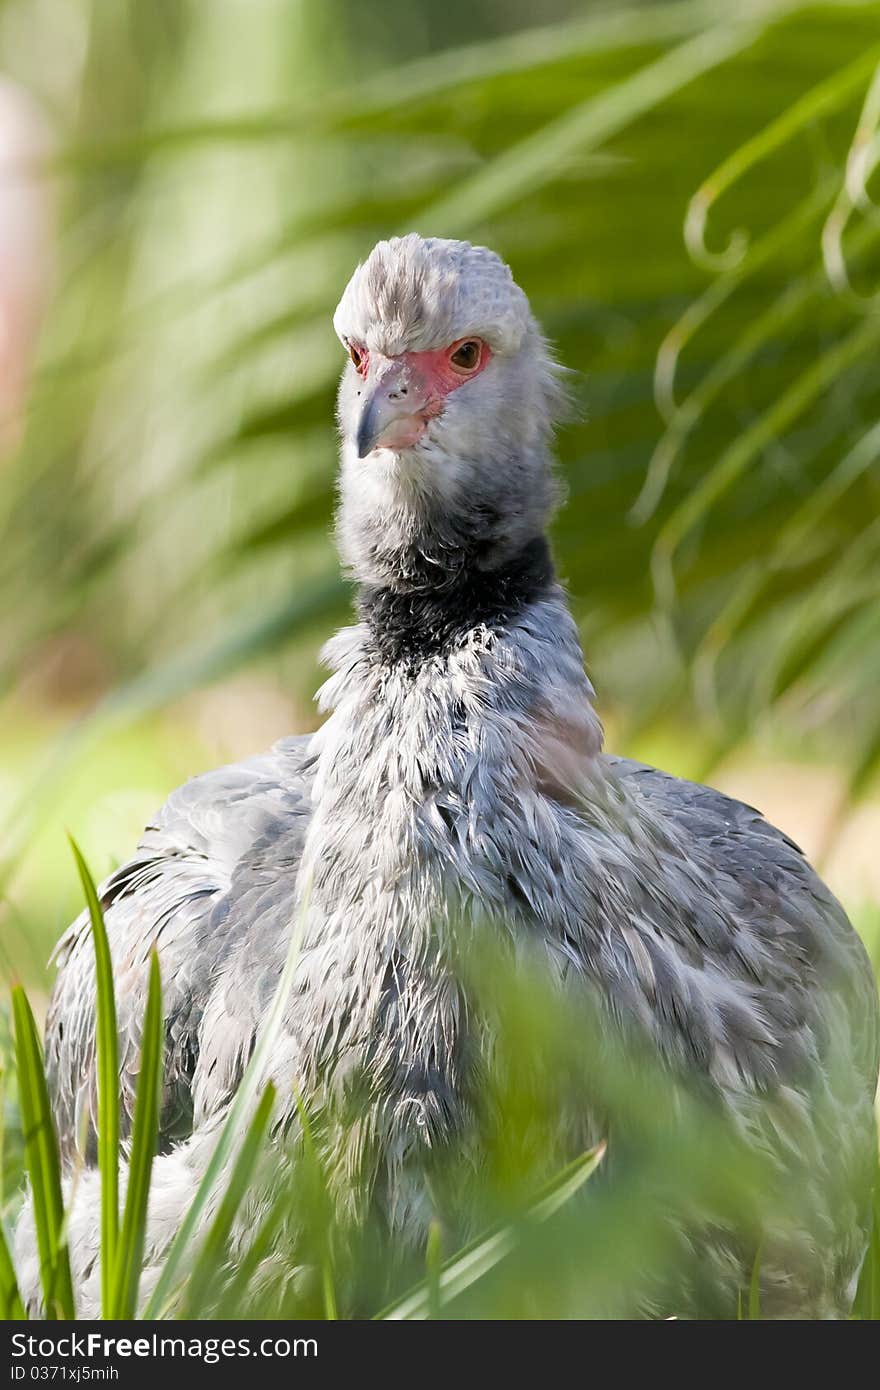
458, 778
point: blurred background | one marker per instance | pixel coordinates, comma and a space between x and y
685, 192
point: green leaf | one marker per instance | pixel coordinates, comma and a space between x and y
236, 1292
867, 1301
11, 1306
107, 1044
211, 1256
323, 1210
434, 1270
144, 1143
482, 1255
755, 1288
42, 1162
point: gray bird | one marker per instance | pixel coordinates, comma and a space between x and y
459, 775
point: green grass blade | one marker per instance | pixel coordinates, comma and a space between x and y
107, 1042
867, 1301
476, 1260
42, 1162
434, 1270
323, 1209
2, 1137
235, 1294
144, 1143
212, 1254
755, 1288
11, 1306
235, 1120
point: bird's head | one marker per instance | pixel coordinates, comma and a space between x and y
446, 407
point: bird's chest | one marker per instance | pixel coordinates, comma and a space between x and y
424, 824
428, 805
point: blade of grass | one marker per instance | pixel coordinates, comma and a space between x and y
108, 1082
755, 1288
144, 1143
42, 1162
324, 1213
211, 1255
482, 1255
433, 1270
2, 1137
11, 1306
240, 1286
867, 1301
244, 1097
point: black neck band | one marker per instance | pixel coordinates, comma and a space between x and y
424, 620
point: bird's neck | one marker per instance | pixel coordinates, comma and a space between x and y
447, 523
450, 711
436, 601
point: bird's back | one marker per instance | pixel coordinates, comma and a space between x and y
780, 927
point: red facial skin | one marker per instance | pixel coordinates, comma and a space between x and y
437, 374
429, 378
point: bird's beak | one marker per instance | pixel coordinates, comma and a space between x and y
393, 415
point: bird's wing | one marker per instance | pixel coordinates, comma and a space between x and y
762, 877
173, 894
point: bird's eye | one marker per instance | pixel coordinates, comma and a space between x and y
357, 355
466, 356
